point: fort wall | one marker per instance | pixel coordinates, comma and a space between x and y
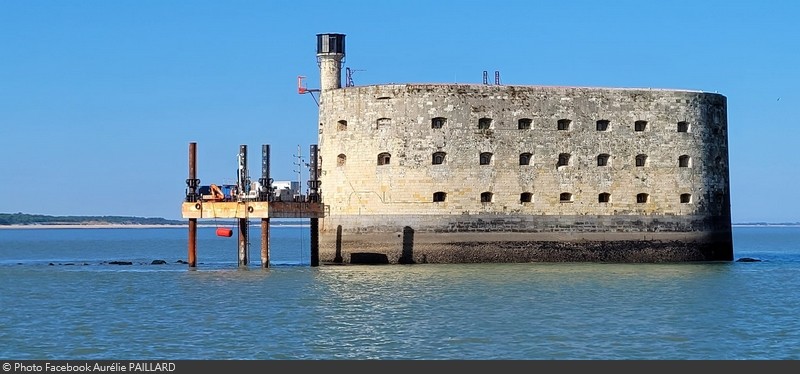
523, 173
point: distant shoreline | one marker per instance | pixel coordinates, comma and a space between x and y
91, 226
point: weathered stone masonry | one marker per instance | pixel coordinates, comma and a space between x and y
445, 173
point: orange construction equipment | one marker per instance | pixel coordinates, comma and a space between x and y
216, 194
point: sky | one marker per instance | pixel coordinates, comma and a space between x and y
100, 99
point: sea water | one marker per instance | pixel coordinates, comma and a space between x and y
63, 297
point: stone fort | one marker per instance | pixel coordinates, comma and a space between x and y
468, 173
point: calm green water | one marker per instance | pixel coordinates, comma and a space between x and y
81, 307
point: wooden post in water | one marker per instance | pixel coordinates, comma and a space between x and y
192, 242
265, 243
243, 242
192, 183
315, 242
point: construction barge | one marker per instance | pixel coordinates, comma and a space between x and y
246, 200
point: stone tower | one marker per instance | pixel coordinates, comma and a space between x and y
330, 56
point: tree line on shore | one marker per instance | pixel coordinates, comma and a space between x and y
7, 219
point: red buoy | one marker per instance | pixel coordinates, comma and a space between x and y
221, 231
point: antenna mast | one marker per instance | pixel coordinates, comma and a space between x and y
349, 75
299, 170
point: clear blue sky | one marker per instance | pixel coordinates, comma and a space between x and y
99, 99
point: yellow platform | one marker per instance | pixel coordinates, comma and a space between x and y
252, 209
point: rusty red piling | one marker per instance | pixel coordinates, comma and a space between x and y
265, 243
243, 230
192, 221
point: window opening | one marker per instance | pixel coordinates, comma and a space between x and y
438, 158
485, 158
525, 158
641, 160
563, 159
384, 158
684, 161
602, 159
